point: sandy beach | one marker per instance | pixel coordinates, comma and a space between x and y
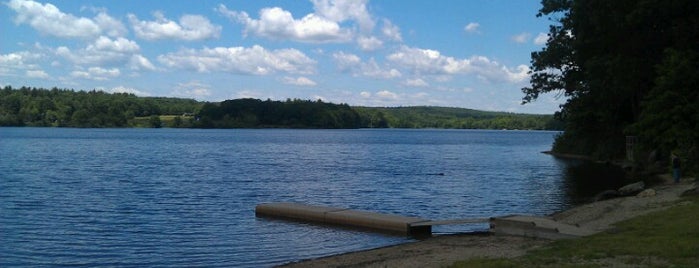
440, 251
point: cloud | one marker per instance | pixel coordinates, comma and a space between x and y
255, 60
353, 64
105, 51
472, 27
110, 26
386, 95
369, 43
391, 31
189, 28
541, 39
521, 38
192, 89
278, 24
37, 74
96, 73
49, 20
139, 62
427, 61
415, 83
299, 81
345, 61
342, 10
119, 45
18, 61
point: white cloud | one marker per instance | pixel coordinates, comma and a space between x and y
352, 63
111, 26
386, 95
342, 10
119, 45
189, 28
37, 74
369, 43
521, 38
49, 20
391, 31
365, 94
192, 89
321, 26
541, 39
254, 60
19, 60
139, 62
299, 81
415, 83
346, 62
472, 27
96, 73
107, 52
279, 24
427, 61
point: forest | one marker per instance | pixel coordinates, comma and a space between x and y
254, 113
629, 68
68, 108
452, 118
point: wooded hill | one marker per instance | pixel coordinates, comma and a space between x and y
68, 108
456, 118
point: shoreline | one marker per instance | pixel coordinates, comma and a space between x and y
444, 250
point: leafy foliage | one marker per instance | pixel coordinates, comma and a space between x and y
67, 108
616, 61
456, 118
254, 113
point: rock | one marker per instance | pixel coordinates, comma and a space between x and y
646, 193
608, 194
632, 189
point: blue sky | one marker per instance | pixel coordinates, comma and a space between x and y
471, 54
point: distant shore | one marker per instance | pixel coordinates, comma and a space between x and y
444, 250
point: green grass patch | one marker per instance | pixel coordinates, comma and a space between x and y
660, 239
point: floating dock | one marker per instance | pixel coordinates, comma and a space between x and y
518, 225
345, 217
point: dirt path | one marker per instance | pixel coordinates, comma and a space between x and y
440, 251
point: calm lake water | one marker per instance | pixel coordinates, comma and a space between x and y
183, 197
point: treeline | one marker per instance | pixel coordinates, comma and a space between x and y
254, 113
628, 68
67, 108
453, 118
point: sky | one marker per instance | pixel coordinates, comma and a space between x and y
388, 53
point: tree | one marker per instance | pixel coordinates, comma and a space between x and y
155, 121
603, 56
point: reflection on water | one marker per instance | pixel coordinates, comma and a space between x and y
585, 179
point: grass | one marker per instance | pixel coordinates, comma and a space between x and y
668, 238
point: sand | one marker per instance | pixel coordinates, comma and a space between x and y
440, 251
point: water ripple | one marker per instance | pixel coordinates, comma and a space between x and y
136, 197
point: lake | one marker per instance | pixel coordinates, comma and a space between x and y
186, 197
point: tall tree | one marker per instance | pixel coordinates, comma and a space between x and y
604, 56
